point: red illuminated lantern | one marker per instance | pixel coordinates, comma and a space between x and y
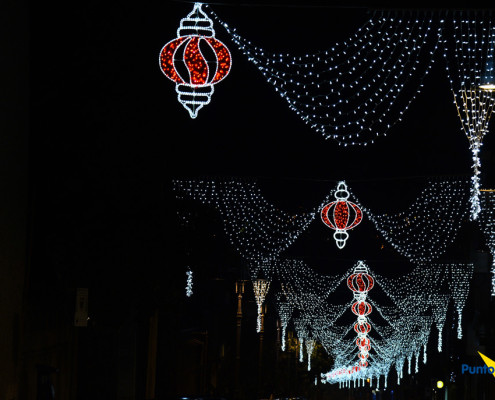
341, 215
363, 342
360, 282
363, 328
195, 60
361, 308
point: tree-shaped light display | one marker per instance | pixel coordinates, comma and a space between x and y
195, 60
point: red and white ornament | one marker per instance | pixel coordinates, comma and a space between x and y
341, 215
195, 60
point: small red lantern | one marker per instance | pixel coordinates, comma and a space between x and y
360, 282
183, 60
363, 328
341, 215
361, 308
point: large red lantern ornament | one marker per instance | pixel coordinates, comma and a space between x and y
341, 215
195, 60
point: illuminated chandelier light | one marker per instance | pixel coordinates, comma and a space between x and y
260, 287
358, 89
341, 211
195, 37
429, 225
470, 69
256, 228
487, 224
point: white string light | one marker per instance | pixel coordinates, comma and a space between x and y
189, 283
358, 89
430, 224
310, 345
255, 227
284, 309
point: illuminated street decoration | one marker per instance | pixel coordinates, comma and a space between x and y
260, 287
459, 278
310, 346
284, 309
256, 228
487, 223
341, 215
430, 224
472, 47
420, 301
259, 229
189, 283
360, 282
184, 60
358, 89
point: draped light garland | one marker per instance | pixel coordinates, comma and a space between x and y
471, 78
429, 225
260, 230
487, 223
358, 89
255, 227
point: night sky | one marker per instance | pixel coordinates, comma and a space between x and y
108, 135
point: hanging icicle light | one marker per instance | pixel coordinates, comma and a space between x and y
260, 287
470, 69
189, 282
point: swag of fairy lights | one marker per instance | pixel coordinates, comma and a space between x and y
470, 55
358, 89
260, 230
